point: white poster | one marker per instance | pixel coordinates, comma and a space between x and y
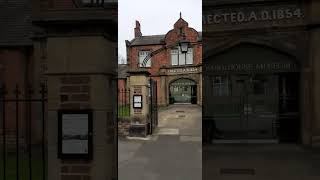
137, 101
75, 133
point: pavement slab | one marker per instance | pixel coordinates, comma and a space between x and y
268, 161
173, 153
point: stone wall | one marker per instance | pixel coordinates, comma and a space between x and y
123, 126
78, 81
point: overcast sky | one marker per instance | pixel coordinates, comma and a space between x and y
155, 16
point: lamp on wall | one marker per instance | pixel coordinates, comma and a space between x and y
184, 44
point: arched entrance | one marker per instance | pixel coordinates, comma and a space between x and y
251, 92
183, 91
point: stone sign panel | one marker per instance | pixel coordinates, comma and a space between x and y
137, 90
261, 67
183, 70
259, 15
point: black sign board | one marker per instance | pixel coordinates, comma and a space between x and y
137, 101
75, 134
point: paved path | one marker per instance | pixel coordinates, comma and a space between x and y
173, 153
273, 161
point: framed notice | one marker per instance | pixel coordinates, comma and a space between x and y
137, 101
75, 134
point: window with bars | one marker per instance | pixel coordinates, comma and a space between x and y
142, 56
178, 58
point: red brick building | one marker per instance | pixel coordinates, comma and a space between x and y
178, 75
123, 91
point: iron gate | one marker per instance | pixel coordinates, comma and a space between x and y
248, 110
153, 106
23, 133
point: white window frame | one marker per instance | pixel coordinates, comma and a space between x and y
181, 57
190, 53
175, 52
141, 56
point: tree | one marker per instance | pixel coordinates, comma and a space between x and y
121, 59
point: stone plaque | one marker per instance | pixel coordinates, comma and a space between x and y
137, 90
254, 15
183, 70
260, 67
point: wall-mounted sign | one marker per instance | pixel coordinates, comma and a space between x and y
251, 67
137, 101
183, 70
183, 82
137, 90
75, 134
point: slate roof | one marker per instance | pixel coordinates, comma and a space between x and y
153, 39
15, 23
122, 71
147, 40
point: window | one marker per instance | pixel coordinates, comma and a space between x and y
142, 56
179, 58
180, 31
174, 57
221, 86
189, 56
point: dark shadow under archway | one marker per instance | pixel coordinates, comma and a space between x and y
183, 91
251, 92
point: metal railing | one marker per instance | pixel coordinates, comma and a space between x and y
123, 102
23, 133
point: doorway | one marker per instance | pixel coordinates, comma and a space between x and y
183, 91
250, 106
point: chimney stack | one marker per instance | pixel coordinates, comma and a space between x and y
137, 30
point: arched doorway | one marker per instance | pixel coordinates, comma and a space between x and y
251, 92
183, 91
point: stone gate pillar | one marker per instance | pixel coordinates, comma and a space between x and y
315, 64
81, 58
139, 102
81, 77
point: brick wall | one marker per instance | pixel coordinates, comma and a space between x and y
13, 72
157, 61
75, 92
123, 126
79, 171
123, 92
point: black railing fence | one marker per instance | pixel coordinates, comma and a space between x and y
123, 102
153, 106
23, 133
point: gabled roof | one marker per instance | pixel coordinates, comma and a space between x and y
15, 23
153, 39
